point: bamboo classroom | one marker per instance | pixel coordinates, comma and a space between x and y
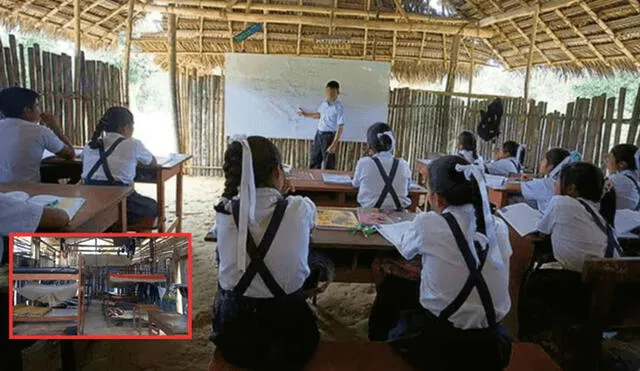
77, 103
589, 125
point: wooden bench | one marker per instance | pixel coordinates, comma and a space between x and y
337, 356
609, 310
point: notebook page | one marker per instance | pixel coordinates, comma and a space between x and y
393, 232
336, 179
626, 221
521, 217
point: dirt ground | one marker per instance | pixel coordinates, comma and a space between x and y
342, 310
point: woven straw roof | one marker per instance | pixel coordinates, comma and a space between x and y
573, 36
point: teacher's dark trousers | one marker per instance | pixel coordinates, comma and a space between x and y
321, 142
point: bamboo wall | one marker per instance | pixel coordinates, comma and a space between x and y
78, 104
589, 125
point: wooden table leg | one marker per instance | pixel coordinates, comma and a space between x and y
518, 265
415, 202
179, 201
160, 197
122, 224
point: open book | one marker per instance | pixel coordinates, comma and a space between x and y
336, 219
521, 217
373, 216
495, 181
46, 154
340, 179
71, 205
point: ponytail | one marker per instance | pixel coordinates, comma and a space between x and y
476, 200
467, 140
96, 141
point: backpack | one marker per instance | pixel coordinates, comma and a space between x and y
489, 125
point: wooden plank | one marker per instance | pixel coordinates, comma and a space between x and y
23, 71
13, 55
4, 76
608, 123
621, 102
635, 117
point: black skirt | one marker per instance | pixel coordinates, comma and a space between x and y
139, 207
428, 343
394, 296
264, 334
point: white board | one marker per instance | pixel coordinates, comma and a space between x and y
264, 92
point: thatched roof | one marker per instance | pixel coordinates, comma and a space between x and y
574, 36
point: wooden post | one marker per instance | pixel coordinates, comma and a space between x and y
173, 74
472, 68
127, 53
76, 18
530, 57
152, 254
35, 248
451, 82
77, 79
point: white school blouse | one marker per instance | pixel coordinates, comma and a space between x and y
627, 196
467, 155
18, 216
574, 233
444, 271
503, 167
368, 180
122, 162
539, 190
287, 257
22, 144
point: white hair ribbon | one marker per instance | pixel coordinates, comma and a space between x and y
476, 172
521, 147
637, 158
574, 156
247, 195
390, 135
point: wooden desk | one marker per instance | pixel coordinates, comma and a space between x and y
138, 313
308, 182
422, 166
498, 197
55, 168
105, 206
171, 323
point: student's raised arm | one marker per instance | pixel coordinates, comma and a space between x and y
54, 140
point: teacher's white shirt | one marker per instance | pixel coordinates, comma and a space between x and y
331, 115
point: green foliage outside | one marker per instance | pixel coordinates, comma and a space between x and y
610, 86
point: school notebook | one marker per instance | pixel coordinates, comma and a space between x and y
336, 219
373, 216
46, 154
71, 205
340, 179
521, 217
393, 232
495, 181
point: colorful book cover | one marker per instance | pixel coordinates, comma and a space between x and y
336, 219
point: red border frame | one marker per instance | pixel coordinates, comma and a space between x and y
189, 334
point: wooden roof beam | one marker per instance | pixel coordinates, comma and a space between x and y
609, 32
635, 4
53, 12
21, 7
113, 14
524, 12
429, 24
83, 12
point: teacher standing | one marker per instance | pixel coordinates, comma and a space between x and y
331, 121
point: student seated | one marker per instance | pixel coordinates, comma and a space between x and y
112, 160
382, 180
464, 282
579, 220
622, 164
543, 189
24, 140
510, 160
468, 147
260, 316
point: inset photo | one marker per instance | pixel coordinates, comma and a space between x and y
100, 286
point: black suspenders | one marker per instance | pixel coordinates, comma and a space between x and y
257, 253
103, 160
612, 241
635, 183
388, 184
517, 165
475, 278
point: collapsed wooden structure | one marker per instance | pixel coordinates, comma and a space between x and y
422, 43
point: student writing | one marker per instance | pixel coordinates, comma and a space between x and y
465, 275
543, 189
260, 317
112, 160
510, 160
23, 140
382, 180
622, 163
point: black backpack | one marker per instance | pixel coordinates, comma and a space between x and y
489, 125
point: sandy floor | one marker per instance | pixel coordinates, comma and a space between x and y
342, 310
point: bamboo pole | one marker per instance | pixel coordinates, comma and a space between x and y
635, 119
127, 52
530, 56
621, 102
172, 75
450, 85
428, 26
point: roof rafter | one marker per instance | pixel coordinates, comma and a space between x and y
575, 29
524, 11
53, 12
83, 12
113, 14
609, 32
